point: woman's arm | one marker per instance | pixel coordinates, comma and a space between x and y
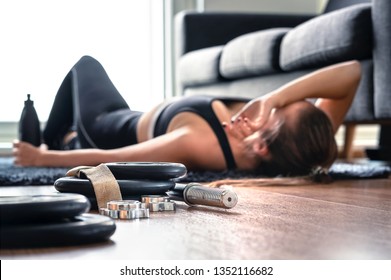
165, 148
334, 86
337, 103
183, 145
26, 154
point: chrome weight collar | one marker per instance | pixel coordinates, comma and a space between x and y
125, 210
147, 199
162, 206
123, 204
134, 209
158, 203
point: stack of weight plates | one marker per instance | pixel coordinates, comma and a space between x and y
50, 220
135, 179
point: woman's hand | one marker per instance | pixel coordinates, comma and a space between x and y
253, 116
255, 113
26, 154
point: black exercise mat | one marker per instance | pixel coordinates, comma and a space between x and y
338, 171
11, 175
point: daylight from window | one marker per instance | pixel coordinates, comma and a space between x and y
42, 39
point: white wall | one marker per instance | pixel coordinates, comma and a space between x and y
42, 39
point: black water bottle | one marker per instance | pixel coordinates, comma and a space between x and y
29, 126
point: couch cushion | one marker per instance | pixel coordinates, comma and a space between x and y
330, 38
200, 67
252, 54
333, 5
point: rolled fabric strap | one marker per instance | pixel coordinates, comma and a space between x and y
105, 185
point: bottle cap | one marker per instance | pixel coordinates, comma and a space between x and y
28, 101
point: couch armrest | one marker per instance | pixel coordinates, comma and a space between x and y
195, 30
381, 17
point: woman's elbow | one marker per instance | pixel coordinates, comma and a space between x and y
355, 70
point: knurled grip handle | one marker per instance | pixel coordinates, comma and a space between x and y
197, 194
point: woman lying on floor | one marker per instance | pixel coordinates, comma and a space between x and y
278, 134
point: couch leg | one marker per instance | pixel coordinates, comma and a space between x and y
383, 151
347, 152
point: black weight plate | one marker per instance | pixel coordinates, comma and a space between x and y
83, 229
19, 209
146, 170
129, 188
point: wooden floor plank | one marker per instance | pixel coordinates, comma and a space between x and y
365, 193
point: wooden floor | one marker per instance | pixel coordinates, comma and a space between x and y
342, 220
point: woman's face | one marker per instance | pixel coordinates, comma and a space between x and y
271, 129
287, 118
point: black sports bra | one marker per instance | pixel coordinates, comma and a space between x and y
202, 106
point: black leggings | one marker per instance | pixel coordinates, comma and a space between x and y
88, 102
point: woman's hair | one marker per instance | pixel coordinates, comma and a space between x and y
301, 147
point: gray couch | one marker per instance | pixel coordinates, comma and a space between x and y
244, 54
